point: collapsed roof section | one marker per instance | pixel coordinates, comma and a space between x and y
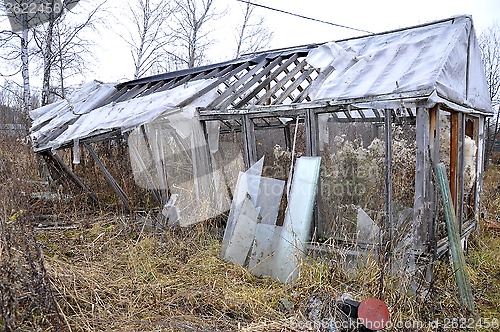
424, 65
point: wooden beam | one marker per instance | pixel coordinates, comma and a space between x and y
226, 73
479, 165
454, 133
288, 138
294, 86
461, 172
311, 124
389, 226
248, 135
224, 97
269, 78
280, 84
424, 201
434, 150
63, 169
116, 187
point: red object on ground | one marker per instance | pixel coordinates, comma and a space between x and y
373, 314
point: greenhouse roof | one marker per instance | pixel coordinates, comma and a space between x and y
425, 65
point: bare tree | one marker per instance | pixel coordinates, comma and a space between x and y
192, 37
150, 33
63, 46
489, 42
252, 34
15, 49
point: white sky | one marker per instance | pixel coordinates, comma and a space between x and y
371, 15
114, 63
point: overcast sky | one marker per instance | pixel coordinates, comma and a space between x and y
370, 15
113, 61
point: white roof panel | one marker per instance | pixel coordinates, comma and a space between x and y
442, 57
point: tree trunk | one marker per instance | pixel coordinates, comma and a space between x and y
47, 60
25, 67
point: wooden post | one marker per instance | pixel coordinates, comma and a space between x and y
288, 138
479, 167
454, 157
248, 134
63, 169
116, 187
389, 227
424, 202
311, 123
461, 173
312, 137
434, 150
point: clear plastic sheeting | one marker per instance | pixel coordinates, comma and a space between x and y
432, 59
352, 177
240, 245
247, 186
252, 238
267, 238
170, 156
298, 219
83, 120
403, 259
49, 118
368, 232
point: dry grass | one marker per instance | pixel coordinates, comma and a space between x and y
110, 273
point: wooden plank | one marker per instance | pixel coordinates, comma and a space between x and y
232, 89
259, 114
457, 254
461, 171
424, 203
311, 124
257, 78
293, 86
312, 149
63, 169
226, 73
116, 187
389, 226
434, 150
280, 84
130, 94
269, 78
255, 109
479, 136
454, 157
248, 135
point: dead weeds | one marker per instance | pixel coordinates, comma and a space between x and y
109, 272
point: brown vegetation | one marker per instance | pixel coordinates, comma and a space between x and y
75, 270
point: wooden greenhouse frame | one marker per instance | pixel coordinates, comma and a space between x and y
257, 91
